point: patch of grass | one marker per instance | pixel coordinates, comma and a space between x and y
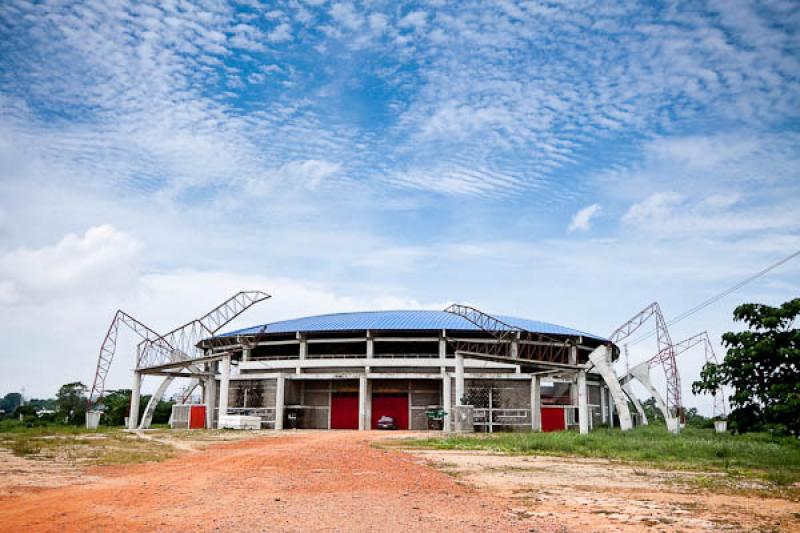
24, 447
76, 445
760, 455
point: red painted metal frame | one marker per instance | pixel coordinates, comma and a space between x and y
665, 349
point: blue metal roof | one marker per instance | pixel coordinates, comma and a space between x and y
398, 320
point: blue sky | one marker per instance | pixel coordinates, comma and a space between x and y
563, 161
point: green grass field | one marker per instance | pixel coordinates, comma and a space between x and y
774, 459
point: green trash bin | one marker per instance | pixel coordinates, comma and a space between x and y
435, 414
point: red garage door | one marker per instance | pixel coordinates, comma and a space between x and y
344, 410
553, 419
390, 404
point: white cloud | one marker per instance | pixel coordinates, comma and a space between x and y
104, 258
582, 219
346, 15
415, 19
281, 33
654, 208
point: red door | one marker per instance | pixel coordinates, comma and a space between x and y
390, 404
197, 417
344, 410
553, 419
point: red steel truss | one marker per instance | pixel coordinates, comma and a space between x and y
666, 350
109, 347
720, 408
178, 344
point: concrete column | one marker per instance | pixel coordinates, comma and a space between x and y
603, 412
224, 384
302, 350
211, 399
443, 351
536, 403
246, 354
362, 403
459, 380
583, 403
515, 351
628, 388
642, 373
610, 409
370, 350
447, 404
601, 359
303, 346
280, 400
370, 345
136, 392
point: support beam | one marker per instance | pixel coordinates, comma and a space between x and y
211, 397
601, 359
443, 350
536, 403
303, 346
583, 403
641, 373
224, 383
603, 408
362, 403
446, 401
636, 403
459, 379
610, 409
136, 392
280, 400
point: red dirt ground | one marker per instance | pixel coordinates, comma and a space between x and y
322, 481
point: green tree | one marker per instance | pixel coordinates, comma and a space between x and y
116, 406
652, 411
71, 401
10, 402
762, 365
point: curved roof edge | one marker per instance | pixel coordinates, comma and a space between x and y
398, 320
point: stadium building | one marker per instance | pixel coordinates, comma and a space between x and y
347, 370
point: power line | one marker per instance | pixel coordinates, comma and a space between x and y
719, 296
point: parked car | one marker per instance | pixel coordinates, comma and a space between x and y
386, 422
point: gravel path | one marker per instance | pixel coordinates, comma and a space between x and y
321, 481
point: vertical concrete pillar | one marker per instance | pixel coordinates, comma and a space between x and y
370, 350
246, 353
211, 398
136, 392
603, 412
447, 403
583, 403
610, 409
459, 380
536, 403
224, 384
362, 403
302, 350
280, 400
443, 351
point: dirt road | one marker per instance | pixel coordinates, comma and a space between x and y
321, 481
596, 495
